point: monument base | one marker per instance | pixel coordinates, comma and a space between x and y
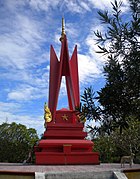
64, 143
74, 158
66, 152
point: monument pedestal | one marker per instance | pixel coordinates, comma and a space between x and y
66, 152
64, 142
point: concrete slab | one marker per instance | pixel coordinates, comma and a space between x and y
102, 171
80, 175
119, 175
39, 175
64, 168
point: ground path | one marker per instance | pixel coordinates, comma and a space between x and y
19, 167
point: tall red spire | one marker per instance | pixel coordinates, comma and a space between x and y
64, 141
65, 67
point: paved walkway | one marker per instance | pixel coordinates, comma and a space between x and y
19, 167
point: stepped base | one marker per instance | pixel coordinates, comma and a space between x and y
64, 131
66, 152
64, 142
67, 159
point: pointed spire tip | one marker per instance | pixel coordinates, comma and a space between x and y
63, 30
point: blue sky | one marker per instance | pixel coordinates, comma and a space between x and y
27, 29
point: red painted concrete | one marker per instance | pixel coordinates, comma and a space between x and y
64, 140
64, 131
66, 159
68, 68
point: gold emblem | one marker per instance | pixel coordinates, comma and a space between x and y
47, 114
65, 117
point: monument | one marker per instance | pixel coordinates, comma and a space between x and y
64, 140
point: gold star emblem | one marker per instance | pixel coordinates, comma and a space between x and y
65, 117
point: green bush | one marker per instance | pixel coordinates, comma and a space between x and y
15, 142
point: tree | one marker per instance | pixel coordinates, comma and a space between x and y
113, 97
120, 98
115, 145
107, 149
128, 141
89, 110
16, 141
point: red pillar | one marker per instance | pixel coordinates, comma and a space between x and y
68, 68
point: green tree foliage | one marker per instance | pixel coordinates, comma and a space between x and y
15, 142
120, 98
129, 140
88, 109
106, 148
115, 145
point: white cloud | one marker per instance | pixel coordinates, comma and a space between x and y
63, 87
29, 29
106, 4
13, 5
22, 36
18, 48
100, 4
43, 4
36, 122
11, 54
72, 30
9, 113
85, 6
91, 38
75, 6
5, 106
87, 68
27, 92
93, 48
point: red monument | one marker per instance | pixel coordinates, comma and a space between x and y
64, 140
